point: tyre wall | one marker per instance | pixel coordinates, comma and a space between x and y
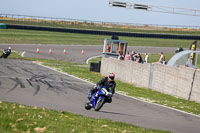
100, 32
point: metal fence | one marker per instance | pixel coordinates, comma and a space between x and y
39, 18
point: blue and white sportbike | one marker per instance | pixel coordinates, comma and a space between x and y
98, 99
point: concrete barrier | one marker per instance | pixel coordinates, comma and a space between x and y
184, 81
195, 92
127, 71
174, 81
180, 81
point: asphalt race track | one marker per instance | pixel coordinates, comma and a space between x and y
28, 83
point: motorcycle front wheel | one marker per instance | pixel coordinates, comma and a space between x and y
99, 104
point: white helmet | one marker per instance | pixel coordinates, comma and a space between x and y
111, 76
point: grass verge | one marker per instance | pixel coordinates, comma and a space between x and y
18, 118
11, 36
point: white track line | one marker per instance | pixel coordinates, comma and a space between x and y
63, 72
121, 93
22, 55
87, 61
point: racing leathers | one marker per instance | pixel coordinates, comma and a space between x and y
108, 84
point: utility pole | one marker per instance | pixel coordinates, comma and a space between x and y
162, 9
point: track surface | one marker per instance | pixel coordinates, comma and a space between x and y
30, 84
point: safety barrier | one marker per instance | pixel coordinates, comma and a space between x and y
3, 26
177, 81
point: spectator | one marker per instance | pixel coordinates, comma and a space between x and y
146, 58
108, 48
120, 56
132, 55
127, 57
189, 64
138, 58
162, 58
6, 53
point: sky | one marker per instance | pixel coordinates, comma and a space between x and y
99, 10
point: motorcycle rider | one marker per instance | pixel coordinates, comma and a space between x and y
6, 53
108, 83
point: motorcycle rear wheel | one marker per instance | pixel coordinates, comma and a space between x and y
99, 105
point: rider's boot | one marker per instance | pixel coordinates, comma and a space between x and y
109, 100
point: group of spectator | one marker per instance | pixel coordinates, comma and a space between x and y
137, 58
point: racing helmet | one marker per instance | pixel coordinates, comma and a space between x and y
111, 76
9, 47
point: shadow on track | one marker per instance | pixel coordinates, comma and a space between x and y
116, 113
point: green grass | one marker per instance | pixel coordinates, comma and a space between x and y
12, 36
107, 27
43, 37
131, 90
18, 118
155, 57
95, 60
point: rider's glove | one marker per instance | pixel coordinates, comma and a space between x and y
110, 94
